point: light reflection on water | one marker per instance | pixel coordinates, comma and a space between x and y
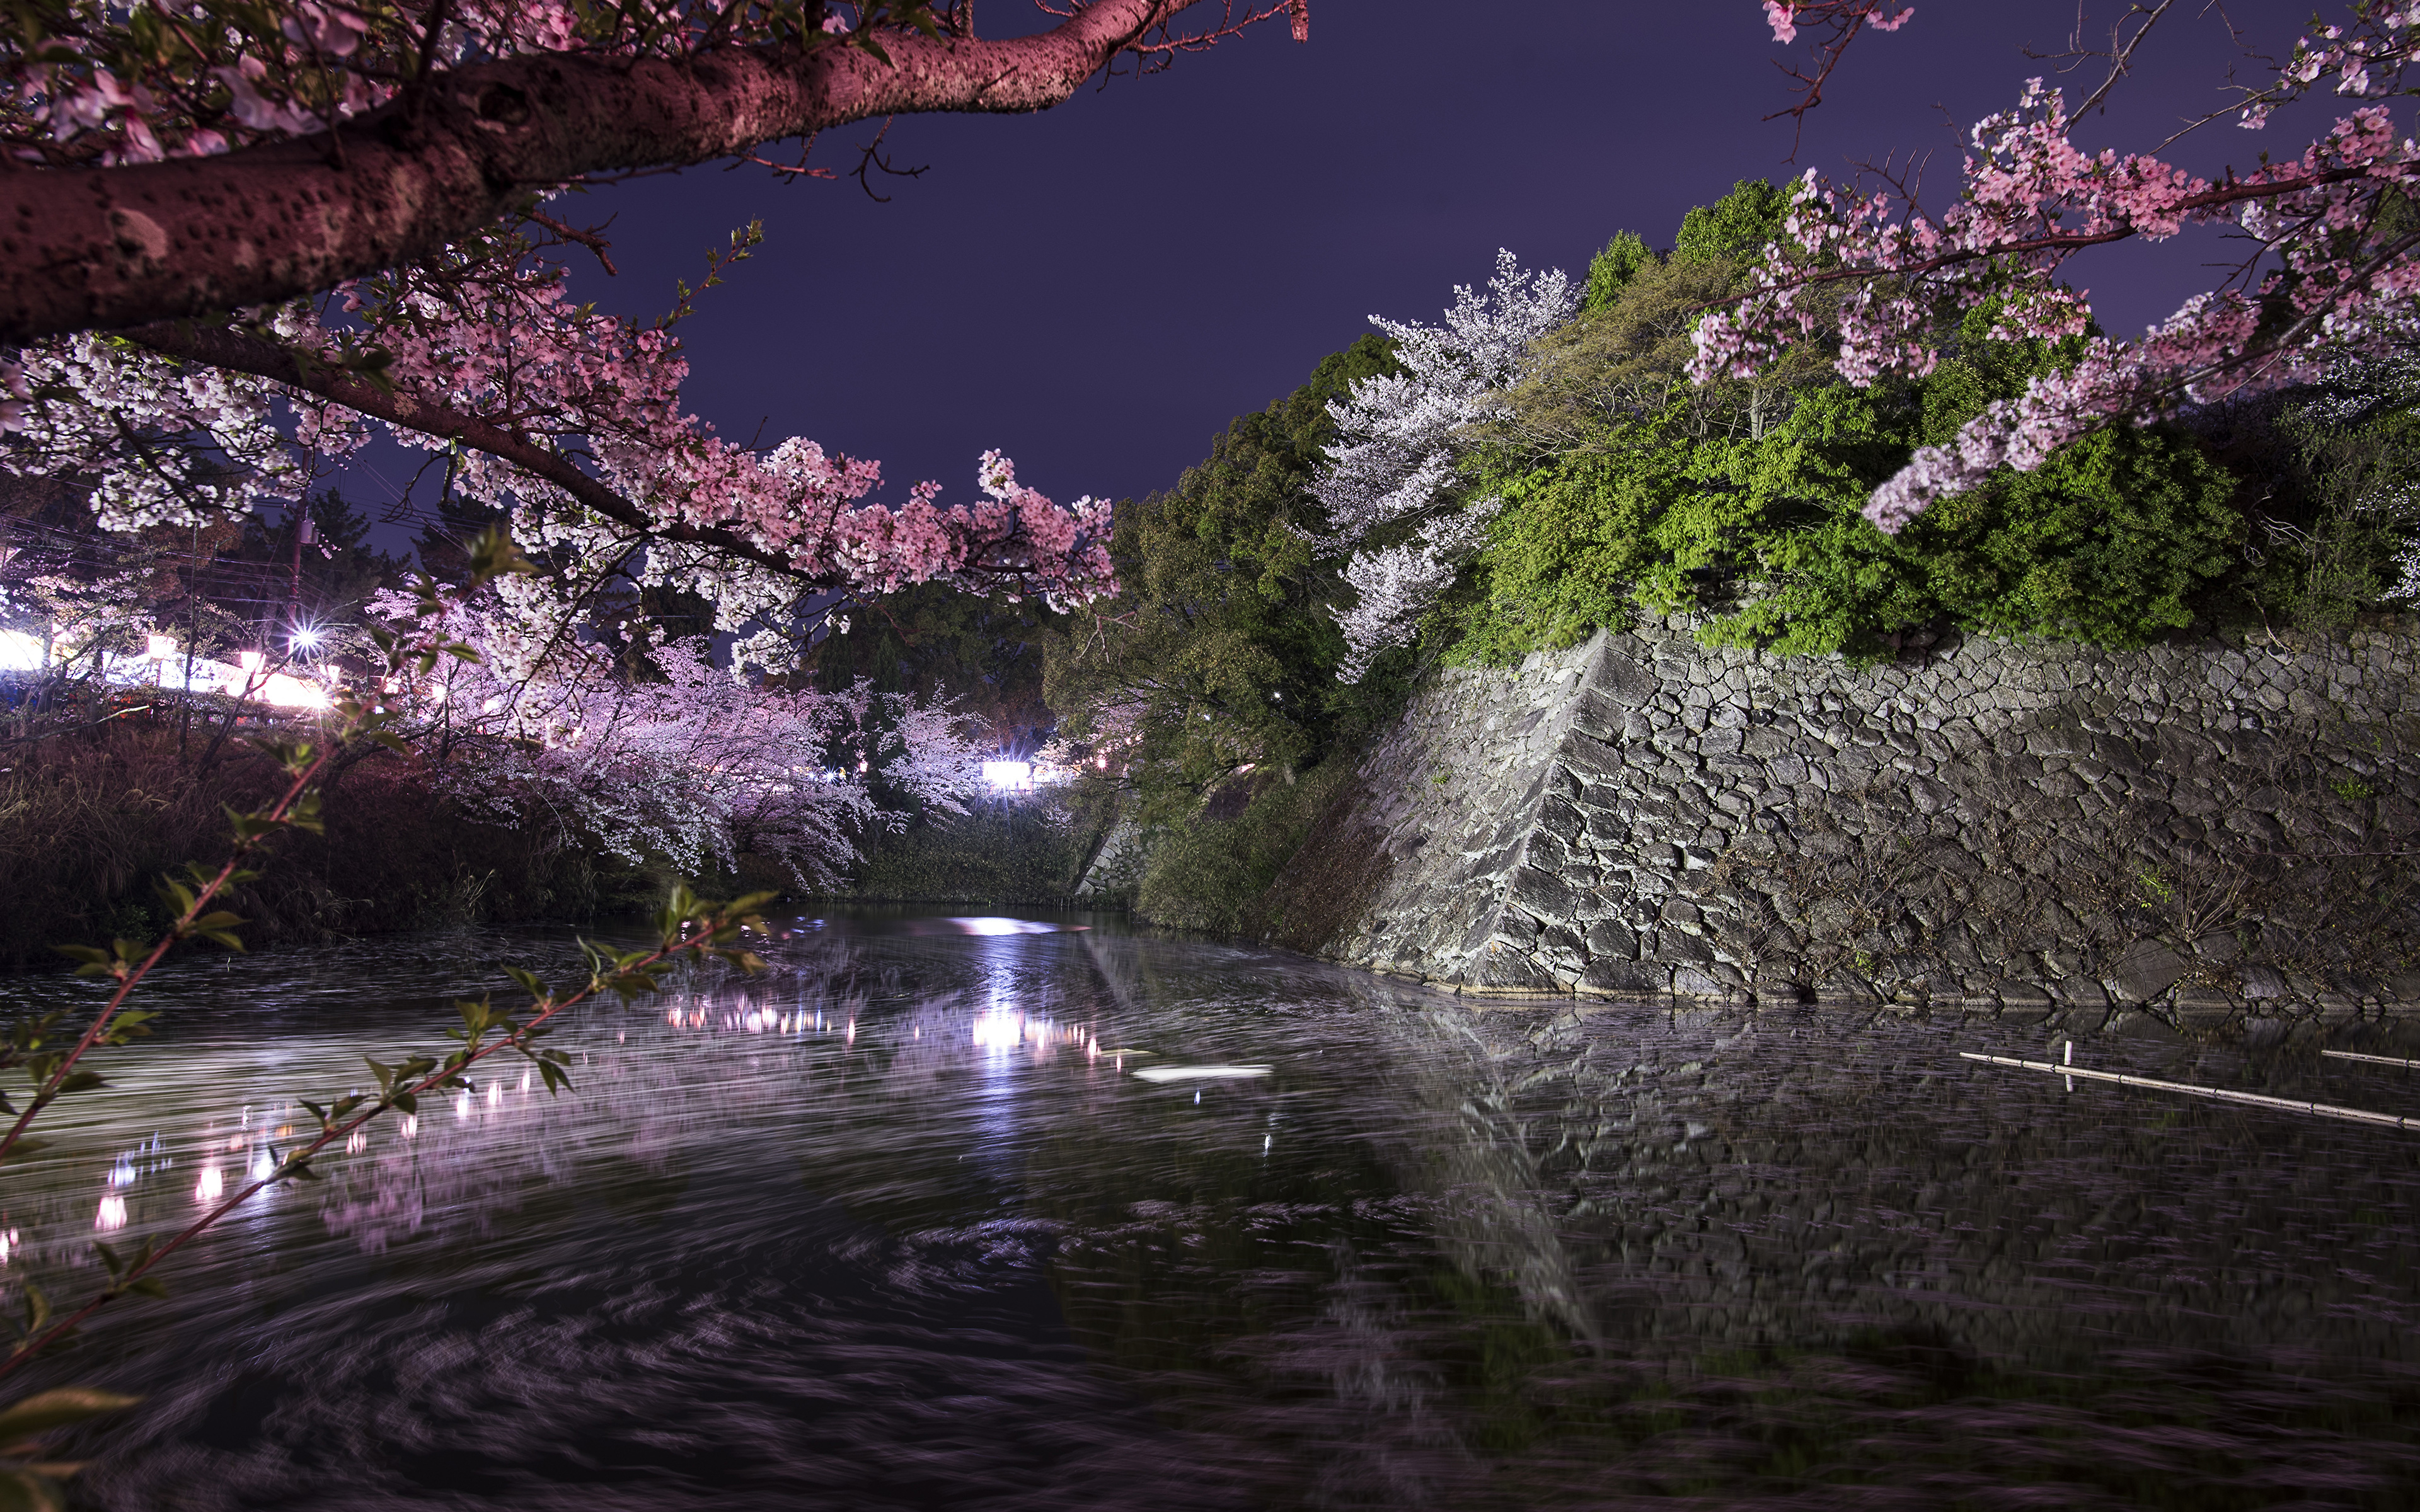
897, 1225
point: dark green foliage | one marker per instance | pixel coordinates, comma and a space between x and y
1213, 874
1628, 488
1733, 229
1031, 853
88, 821
1220, 654
1211, 680
936, 643
1611, 270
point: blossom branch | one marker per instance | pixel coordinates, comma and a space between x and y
713, 929
108, 247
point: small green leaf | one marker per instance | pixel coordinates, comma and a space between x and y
58, 1409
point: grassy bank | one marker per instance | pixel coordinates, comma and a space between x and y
1029, 852
89, 822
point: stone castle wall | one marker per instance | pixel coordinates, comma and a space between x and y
2198, 829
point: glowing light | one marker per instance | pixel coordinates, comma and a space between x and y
357, 1142
495, 1093
20, 651
306, 638
213, 1185
1002, 926
999, 1031
463, 1105
1199, 1074
264, 1164
112, 1214
1008, 776
158, 647
248, 661
525, 1076
411, 1125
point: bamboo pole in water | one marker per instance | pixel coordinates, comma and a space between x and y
2285, 1104
2375, 1060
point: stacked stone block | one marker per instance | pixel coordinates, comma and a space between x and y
2198, 828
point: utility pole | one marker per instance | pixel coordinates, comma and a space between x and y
294, 580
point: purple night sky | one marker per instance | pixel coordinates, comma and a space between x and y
1098, 290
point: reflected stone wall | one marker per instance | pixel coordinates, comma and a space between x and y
2203, 830
1729, 1176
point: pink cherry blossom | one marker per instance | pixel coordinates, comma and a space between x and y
2323, 284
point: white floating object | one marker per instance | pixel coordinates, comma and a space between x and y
2221, 1094
2375, 1060
1199, 1074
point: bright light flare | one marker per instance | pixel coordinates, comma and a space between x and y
213, 1185
1008, 776
20, 651
112, 1214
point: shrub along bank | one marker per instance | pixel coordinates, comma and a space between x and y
1029, 852
89, 821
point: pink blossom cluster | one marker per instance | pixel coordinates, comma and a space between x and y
508, 344
217, 82
158, 442
2323, 284
693, 763
488, 336
214, 75
1783, 15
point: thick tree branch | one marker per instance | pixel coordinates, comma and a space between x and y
109, 248
217, 347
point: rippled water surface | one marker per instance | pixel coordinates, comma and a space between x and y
900, 1224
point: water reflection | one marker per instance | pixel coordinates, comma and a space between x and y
937, 1218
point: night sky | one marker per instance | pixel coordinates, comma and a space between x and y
1098, 290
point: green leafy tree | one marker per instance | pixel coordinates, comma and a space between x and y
981, 655
1627, 489
1221, 652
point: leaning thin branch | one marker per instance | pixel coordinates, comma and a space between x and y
122, 1283
99, 1024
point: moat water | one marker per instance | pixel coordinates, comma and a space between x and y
903, 1223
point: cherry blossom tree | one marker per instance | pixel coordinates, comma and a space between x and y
1390, 473
691, 765
245, 238
231, 153
2328, 278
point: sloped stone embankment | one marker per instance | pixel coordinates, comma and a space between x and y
2200, 829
